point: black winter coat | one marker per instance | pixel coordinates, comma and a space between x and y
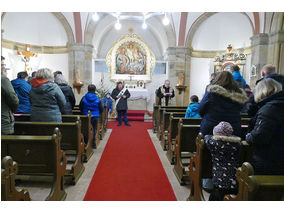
219, 104
225, 160
267, 136
70, 99
252, 107
122, 103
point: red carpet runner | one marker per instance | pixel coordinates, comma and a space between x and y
130, 168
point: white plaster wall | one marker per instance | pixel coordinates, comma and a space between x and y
201, 68
34, 28
191, 17
221, 29
52, 61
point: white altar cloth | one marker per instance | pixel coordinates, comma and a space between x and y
139, 94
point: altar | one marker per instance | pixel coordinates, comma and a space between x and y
138, 99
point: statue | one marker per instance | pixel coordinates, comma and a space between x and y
26, 56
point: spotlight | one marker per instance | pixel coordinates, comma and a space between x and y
96, 16
144, 25
117, 25
166, 21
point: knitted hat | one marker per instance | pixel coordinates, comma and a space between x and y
223, 129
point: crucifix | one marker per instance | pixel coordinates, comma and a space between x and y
26, 56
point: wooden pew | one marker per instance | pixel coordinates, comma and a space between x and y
175, 118
162, 120
184, 149
154, 118
9, 170
200, 166
72, 142
87, 130
158, 114
38, 156
257, 187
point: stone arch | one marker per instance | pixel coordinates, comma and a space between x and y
277, 22
199, 21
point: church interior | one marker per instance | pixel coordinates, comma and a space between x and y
161, 155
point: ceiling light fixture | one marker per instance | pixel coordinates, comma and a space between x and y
166, 21
144, 25
96, 16
117, 25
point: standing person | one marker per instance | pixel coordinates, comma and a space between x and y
267, 71
238, 77
91, 102
68, 93
192, 109
224, 149
223, 101
22, 88
9, 102
120, 95
267, 134
108, 101
165, 94
47, 99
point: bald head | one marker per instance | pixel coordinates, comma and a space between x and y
267, 69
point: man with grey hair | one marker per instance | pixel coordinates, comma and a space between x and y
68, 93
165, 93
269, 71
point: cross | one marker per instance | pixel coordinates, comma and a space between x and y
26, 55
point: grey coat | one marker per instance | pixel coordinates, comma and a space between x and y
47, 101
9, 104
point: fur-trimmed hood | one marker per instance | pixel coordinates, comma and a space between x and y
230, 139
234, 96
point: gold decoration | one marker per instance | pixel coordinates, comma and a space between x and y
26, 56
131, 56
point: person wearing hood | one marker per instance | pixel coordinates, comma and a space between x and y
68, 93
108, 101
192, 109
224, 148
47, 99
267, 134
91, 102
22, 88
223, 101
9, 102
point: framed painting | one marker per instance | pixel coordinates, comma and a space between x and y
130, 59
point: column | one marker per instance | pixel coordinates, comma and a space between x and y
276, 51
259, 44
80, 58
179, 61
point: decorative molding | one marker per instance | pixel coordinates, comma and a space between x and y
36, 48
213, 53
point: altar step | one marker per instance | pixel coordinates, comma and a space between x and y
139, 115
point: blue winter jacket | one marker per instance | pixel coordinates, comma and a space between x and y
192, 111
91, 102
22, 88
219, 104
239, 78
108, 101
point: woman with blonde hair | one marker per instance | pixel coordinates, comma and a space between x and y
267, 134
47, 99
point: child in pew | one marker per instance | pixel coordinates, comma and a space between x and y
108, 101
192, 109
224, 149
